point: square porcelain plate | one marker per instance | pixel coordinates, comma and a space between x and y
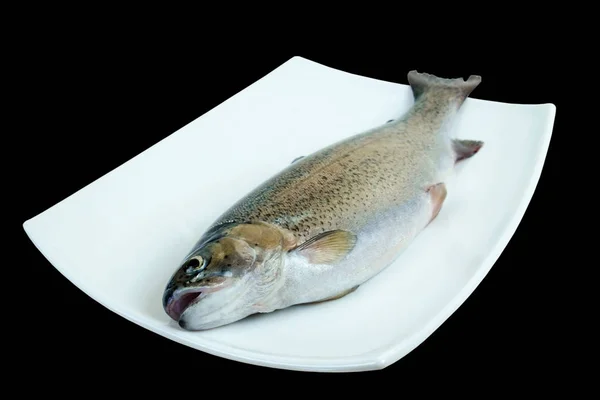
120, 238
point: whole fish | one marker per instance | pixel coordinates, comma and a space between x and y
329, 221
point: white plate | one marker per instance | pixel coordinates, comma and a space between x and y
120, 238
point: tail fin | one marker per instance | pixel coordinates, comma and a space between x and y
423, 82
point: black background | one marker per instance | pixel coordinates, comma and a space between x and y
90, 108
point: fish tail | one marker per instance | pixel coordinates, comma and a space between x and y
423, 82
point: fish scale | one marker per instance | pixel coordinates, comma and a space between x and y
337, 189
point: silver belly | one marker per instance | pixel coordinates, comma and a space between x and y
379, 243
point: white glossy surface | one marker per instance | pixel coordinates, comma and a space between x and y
120, 238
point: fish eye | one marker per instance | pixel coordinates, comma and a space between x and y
195, 264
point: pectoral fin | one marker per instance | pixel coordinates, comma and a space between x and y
438, 194
327, 247
466, 148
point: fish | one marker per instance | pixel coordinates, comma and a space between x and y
329, 221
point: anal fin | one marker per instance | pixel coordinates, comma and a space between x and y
466, 148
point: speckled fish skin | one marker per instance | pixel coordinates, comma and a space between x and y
329, 221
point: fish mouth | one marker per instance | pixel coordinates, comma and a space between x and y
183, 298
179, 302
221, 309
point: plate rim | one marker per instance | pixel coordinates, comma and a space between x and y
376, 359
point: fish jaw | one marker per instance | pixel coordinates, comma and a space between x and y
222, 307
256, 292
177, 301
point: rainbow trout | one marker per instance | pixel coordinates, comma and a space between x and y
329, 221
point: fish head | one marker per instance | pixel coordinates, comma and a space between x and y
226, 278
